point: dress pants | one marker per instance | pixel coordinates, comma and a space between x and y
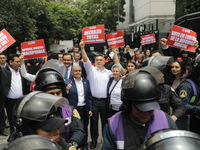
9, 104
100, 106
82, 110
2, 117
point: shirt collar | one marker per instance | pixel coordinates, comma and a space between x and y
12, 70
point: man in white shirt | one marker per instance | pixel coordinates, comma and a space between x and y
98, 77
18, 87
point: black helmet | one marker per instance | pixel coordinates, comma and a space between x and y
36, 107
163, 63
33, 142
172, 140
195, 68
48, 77
159, 62
140, 87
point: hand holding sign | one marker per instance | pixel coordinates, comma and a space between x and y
182, 38
163, 42
82, 44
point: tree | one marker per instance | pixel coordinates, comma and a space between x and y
35, 19
104, 12
184, 7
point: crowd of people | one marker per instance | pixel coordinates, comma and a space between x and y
134, 94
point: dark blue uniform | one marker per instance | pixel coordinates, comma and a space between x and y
191, 104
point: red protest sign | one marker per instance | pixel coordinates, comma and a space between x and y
148, 39
93, 34
5, 40
115, 39
33, 49
182, 38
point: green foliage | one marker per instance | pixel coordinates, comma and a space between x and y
104, 12
36, 19
184, 7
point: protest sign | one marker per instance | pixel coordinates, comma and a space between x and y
182, 38
5, 40
93, 34
115, 39
33, 49
148, 39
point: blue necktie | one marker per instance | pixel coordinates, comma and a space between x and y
66, 74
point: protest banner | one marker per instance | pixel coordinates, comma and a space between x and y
148, 39
5, 40
182, 38
115, 39
33, 49
93, 34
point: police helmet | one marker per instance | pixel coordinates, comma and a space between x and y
195, 68
172, 140
141, 89
47, 77
37, 107
33, 142
159, 62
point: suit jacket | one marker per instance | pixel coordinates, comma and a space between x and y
72, 94
4, 84
25, 83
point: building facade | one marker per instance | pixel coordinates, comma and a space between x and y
148, 16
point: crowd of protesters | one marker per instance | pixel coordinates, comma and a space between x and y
126, 83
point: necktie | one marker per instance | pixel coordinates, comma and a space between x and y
66, 74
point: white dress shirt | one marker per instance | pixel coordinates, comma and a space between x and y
75, 63
98, 80
80, 92
27, 75
16, 90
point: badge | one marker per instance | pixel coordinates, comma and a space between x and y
76, 114
183, 93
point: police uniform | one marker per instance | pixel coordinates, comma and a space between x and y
191, 104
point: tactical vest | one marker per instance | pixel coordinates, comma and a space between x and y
158, 122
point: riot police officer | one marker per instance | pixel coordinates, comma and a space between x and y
189, 92
50, 81
40, 113
168, 97
128, 129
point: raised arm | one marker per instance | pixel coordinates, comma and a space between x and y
116, 60
23, 71
83, 53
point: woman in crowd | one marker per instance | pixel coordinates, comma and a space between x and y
177, 71
114, 89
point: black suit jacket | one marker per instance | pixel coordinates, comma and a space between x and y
25, 83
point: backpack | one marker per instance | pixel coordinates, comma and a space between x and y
192, 100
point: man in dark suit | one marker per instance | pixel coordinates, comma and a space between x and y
3, 93
79, 96
68, 60
17, 86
